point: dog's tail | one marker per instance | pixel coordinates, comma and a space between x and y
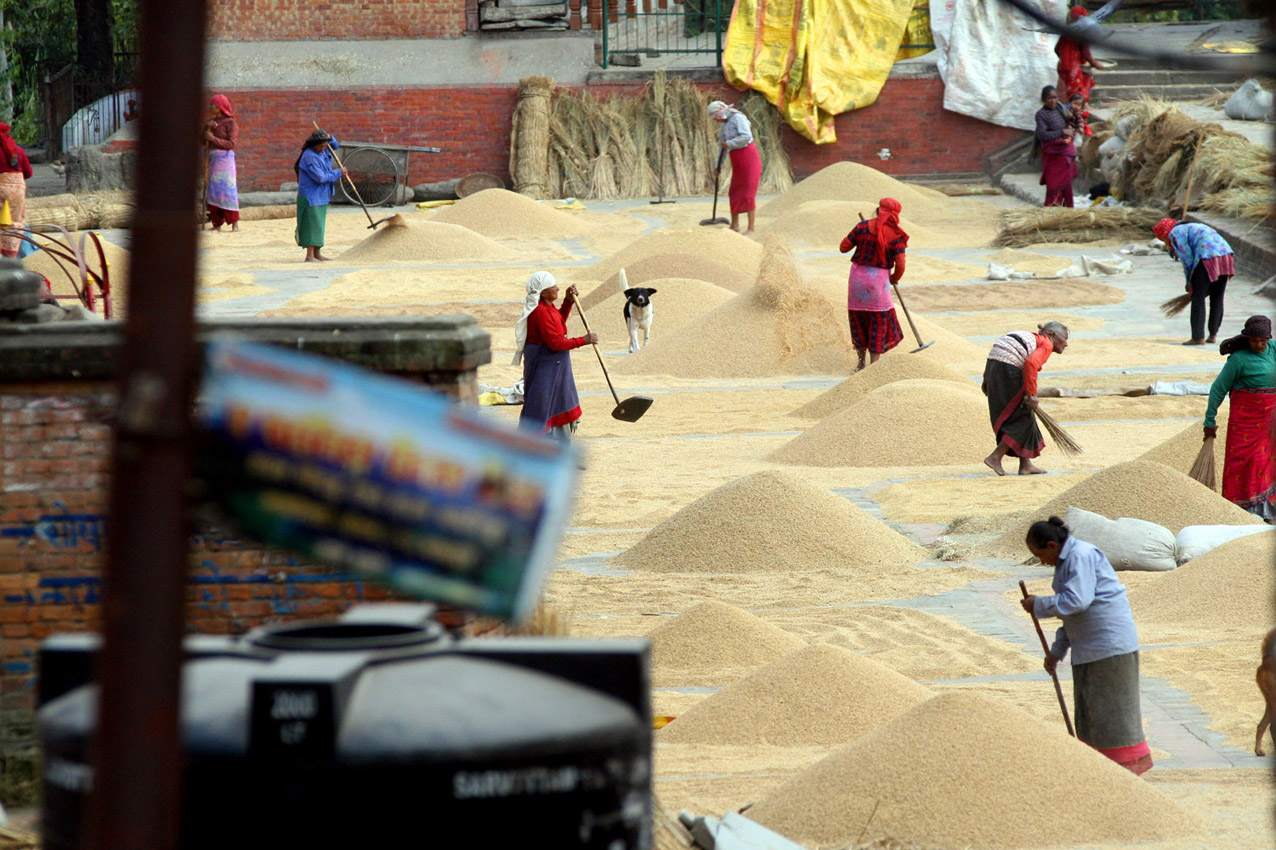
623, 280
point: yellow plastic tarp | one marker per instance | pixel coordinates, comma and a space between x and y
814, 59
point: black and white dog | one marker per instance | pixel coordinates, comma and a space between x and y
638, 312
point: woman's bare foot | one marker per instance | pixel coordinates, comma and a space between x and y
310, 259
1026, 467
234, 228
749, 231
1195, 342
320, 257
217, 229
993, 462
1212, 338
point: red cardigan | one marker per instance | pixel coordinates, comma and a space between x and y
547, 326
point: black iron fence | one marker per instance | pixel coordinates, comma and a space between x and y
658, 27
82, 110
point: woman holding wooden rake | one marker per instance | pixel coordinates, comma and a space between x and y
1249, 378
1010, 382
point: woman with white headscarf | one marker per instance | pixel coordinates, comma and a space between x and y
541, 342
736, 136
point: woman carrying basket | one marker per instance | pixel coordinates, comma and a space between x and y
1010, 382
1249, 378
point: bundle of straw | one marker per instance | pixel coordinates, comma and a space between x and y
1067, 445
1020, 227
1203, 468
1177, 305
529, 137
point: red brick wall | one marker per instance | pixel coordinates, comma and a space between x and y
305, 20
471, 124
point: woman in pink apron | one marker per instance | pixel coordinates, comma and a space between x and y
878, 262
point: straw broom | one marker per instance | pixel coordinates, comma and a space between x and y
1062, 438
1203, 468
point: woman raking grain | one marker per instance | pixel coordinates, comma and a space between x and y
317, 179
878, 263
1010, 382
1098, 627
736, 137
550, 405
1249, 379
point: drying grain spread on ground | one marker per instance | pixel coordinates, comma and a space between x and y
824, 567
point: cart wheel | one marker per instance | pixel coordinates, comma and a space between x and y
373, 173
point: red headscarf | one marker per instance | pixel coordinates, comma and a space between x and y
1161, 230
886, 225
7, 144
1077, 12
223, 103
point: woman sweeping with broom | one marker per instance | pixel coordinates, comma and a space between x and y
1010, 382
1208, 264
878, 263
541, 343
1249, 378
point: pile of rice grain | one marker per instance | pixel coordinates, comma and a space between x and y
823, 224
818, 695
662, 266
1229, 588
781, 327
772, 522
400, 239
118, 261
883, 372
722, 246
1180, 451
677, 302
714, 643
948, 349
501, 213
850, 181
969, 770
915, 422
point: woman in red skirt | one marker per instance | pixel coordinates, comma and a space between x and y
736, 136
879, 246
1249, 378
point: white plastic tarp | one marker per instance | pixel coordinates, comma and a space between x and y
992, 60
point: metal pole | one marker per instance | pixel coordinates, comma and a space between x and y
136, 750
605, 18
717, 27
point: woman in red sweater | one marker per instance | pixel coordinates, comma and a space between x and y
15, 171
550, 403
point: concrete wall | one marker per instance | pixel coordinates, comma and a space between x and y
297, 20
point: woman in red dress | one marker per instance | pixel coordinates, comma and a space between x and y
1058, 156
550, 403
1073, 57
736, 137
879, 247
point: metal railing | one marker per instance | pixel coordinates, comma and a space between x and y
82, 111
658, 27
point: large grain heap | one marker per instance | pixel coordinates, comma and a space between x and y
885, 371
818, 695
400, 239
502, 213
677, 302
772, 522
118, 261
968, 770
715, 643
1180, 451
781, 327
850, 181
916, 422
1228, 589
823, 224
659, 266
722, 246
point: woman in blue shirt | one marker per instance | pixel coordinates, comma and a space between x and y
1099, 629
1208, 264
316, 180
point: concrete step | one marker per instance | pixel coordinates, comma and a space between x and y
1108, 94
1160, 77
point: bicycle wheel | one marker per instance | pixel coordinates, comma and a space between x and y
373, 173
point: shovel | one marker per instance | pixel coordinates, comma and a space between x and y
1058, 689
716, 175
921, 346
632, 408
372, 225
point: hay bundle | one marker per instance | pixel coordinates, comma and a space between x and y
43, 202
71, 217
113, 215
269, 212
1021, 227
529, 137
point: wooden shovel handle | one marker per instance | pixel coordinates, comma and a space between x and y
1045, 647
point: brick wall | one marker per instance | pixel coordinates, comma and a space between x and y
305, 20
472, 123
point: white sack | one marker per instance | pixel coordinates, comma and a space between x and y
1195, 540
1250, 103
1130, 544
1112, 146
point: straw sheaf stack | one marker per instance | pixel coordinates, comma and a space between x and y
529, 137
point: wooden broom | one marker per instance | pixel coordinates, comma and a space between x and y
1062, 438
1203, 468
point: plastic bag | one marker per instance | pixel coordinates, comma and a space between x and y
1129, 544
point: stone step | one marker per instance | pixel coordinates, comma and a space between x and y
1156, 77
1109, 94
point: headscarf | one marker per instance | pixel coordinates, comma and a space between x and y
223, 103
1077, 12
9, 145
1161, 230
720, 111
1256, 327
887, 227
536, 284
318, 137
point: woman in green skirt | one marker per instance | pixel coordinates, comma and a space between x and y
316, 180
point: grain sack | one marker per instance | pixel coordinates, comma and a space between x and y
529, 137
1129, 544
915, 422
1228, 591
883, 372
1195, 540
660, 266
850, 181
677, 303
757, 524
967, 770
400, 239
715, 643
817, 695
500, 213
1180, 451
722, 246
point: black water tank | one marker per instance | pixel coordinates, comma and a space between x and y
379, 732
